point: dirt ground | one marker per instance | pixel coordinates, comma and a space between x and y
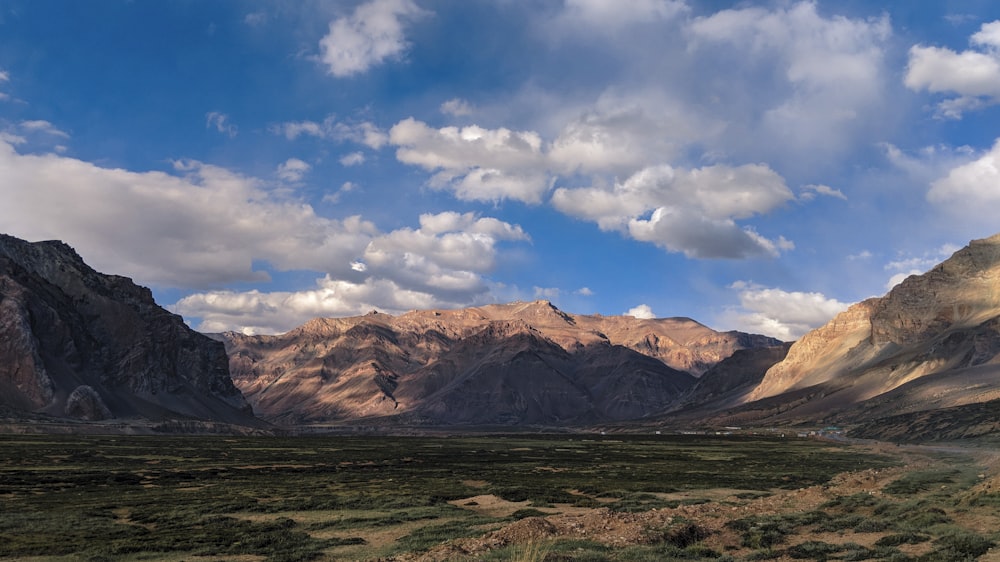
623, 529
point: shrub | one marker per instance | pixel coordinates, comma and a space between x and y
686, 535
902, 538
813, 550
958, 546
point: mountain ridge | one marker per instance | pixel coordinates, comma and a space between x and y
79, 344
438, 361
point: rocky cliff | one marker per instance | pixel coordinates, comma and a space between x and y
524, 362
80, 344
933, 342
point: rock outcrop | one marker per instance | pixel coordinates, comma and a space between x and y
517, 363
933, 342
80, 344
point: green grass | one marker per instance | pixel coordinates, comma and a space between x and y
127, 497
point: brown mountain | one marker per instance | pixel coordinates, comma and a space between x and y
497, 364
75, 343
932, 343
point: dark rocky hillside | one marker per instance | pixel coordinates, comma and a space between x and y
75, 343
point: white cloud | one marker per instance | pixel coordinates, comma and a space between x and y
4, 76
967, 196
621, 134
293, 170
369, 36
439, 265
202, 226
808, 84
365, 132
456, 107
256, 312
692, 211
862, 255
642, 311
906, 265
221, 123
584, 292
900, 277
42, 127
970, 190
548, 293
476, 163
334, 197
613, 14
972, 74
809, 192
786, 315
352, 159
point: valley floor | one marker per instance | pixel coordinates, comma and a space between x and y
493, 497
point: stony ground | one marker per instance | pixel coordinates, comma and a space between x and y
620, 530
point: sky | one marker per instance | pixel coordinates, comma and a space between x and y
753, 165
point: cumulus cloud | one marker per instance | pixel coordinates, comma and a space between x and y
786, 315
689, 211
969, 191
352, 159
810, 192
202, 226
475, 163
365, 132
372, 34
220, 121
42, 127
819, 81
441, 264
584, 292
622, 133
456, 107
256, 312
293, 170
642, 311
906, 265
345, 187
973, 74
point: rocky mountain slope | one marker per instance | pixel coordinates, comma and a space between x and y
931, 343
497, 364
75, 343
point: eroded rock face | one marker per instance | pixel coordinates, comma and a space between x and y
819, 355
524, 362
78, 343
920, 347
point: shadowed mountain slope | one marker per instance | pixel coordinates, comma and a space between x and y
931, 343
75, 343
523, 362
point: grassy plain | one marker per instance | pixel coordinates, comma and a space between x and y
536, 497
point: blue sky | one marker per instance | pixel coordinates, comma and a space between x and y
752, 165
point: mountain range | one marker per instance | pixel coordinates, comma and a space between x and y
518, 363
922, 361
